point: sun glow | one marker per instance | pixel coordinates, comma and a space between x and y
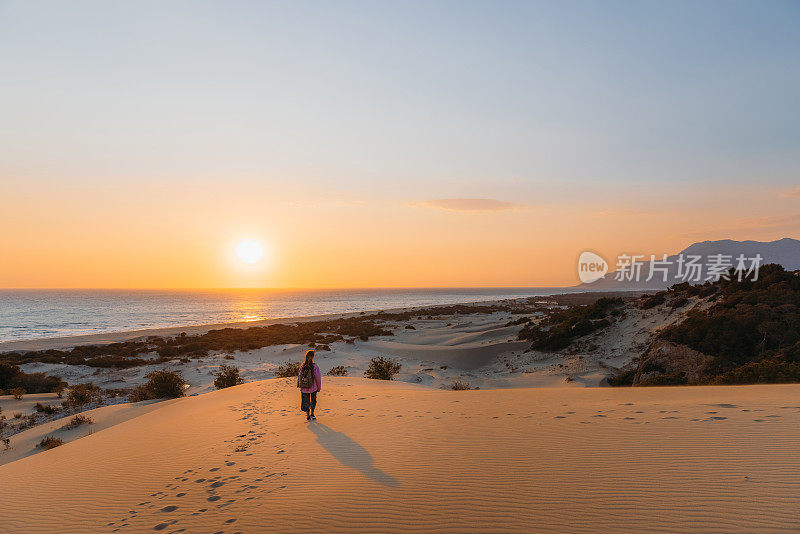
249, 251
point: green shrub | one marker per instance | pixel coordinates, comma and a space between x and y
749, 322
382, 369
751, 331
679, 302
227, 376
9, 373
288, 369
165, 384
653, 300
768, 371
669, 379
562, 327
623, 378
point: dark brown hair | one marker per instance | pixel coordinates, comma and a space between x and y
309, 359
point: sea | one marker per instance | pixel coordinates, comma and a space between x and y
37, 313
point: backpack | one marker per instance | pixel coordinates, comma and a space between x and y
307, 377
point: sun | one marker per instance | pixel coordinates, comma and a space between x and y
249, 251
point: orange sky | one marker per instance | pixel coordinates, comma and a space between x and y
180, 236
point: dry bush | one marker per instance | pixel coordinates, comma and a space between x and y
460, 386
382, 369
227, 376
81, 394
46, 408
50, 442
17, 393
77, 421
140, 393
288, 369
339, 370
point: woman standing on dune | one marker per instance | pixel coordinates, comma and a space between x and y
309, 380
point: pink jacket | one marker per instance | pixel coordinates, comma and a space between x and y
317, 380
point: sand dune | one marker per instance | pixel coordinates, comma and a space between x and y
390, 456
26, 442
477, 348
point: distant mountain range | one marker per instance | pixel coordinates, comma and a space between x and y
785, 252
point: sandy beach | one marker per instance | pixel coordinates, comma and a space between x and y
481, 349
480, 430
386, 457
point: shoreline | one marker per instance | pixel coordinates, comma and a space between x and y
105, 338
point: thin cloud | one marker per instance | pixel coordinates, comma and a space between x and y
469, 205
795, 192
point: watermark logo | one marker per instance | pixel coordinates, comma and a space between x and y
591, 267
690, 268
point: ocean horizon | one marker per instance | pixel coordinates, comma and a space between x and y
46, 313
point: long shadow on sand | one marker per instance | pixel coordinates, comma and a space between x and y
350, 453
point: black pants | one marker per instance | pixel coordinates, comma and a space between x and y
308, 401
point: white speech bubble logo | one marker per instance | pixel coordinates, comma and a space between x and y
591, 267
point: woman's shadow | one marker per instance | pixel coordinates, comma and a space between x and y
350, 453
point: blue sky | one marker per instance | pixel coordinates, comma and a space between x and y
541, 91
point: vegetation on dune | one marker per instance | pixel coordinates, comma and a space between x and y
651, 301
160, 385
50, 442
288, 369
229, 340
382, 369
157, 350
339, 370
77, 421
562, 327
46, 408
457, 309
227, 376
750, 334
520, 321
80, 395
13, 378
458, 385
